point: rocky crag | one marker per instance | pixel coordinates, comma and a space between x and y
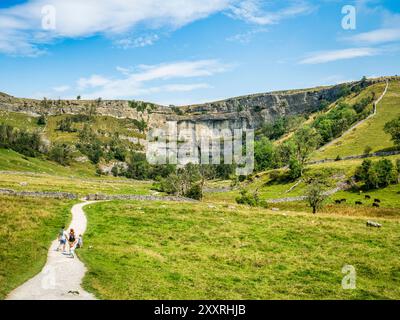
249, 111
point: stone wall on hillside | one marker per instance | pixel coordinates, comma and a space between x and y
39, 194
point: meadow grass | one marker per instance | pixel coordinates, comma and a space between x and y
14, 161
27, 227
80, 186
19, 120
370, 133
139, 250
337, 171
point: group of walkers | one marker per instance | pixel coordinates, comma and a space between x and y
69, 240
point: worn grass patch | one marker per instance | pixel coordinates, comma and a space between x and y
27, 227
137, 250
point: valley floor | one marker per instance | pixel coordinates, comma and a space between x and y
195, 251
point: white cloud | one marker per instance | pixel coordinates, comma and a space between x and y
22, 34
334, 55
246, 37
92, 82
254, 11
377, 36
21, 24
139, 42
61, 88
146, 79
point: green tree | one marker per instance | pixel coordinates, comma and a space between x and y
306, 141
315, 195
376, 174
41, 120
251, 199
263, 154
393, 128
65, 125
295, 169
385, 172
61, 153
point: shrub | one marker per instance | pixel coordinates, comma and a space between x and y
251, 199
41, 121
195, 192
61, 153
295, 169
393, 128
22, 141
65, 125
376, 174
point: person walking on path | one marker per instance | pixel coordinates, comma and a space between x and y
62, 238
72, 242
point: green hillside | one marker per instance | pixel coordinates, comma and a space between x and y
214, 248
370, 133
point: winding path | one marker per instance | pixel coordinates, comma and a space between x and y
61, 277
375, 104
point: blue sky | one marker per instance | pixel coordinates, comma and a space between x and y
188, 51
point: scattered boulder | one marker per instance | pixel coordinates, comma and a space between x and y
373, 224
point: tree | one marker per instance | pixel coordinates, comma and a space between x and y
251, 199
263, 154
315, 195
78, 97
385, 172
376, 174
187, 181
306, 141
138, 167
393, 128
61, 153
41, 120
65, 125
295, 169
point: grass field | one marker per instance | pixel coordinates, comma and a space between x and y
13, 161
19, 120
137, 250
370, 133
80, 186
27, 227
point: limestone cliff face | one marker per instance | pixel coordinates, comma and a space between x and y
249, 111
253, 110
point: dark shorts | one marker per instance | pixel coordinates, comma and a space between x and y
63, 241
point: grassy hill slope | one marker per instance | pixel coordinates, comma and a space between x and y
370, 133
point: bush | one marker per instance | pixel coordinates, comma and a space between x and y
195, 192
22, 141
376, 174
41, 120
251, 199
61, 153
65, 125
295, 169
393, 128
